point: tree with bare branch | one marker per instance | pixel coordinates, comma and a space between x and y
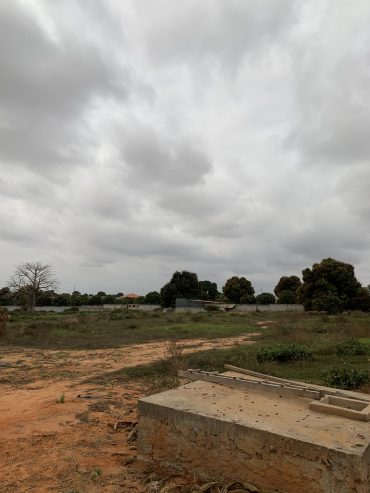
29, 279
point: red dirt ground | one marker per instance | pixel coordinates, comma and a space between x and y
71, 446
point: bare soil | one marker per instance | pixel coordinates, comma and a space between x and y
57, 431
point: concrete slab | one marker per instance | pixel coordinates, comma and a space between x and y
271, 441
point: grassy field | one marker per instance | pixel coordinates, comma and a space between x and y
50, 362
319, 335
114, 329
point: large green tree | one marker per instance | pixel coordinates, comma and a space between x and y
153, 298
182, 285
287, 288
239, 290
330, 286
265, 299
208, 290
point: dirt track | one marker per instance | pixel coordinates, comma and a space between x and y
70, 446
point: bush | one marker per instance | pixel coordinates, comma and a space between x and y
282, 353
352, 347
346, 377
211, 308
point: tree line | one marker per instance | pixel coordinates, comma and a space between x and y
329, 285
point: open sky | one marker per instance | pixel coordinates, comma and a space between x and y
225, 137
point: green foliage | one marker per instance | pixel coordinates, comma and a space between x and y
239, 290
287, 297
330, 285
346, 377
265, 299
352, 347
182, 285
95, 473
282, 353
153, 298
211, 308
5, 296
208, 290
61, 399
362, 300
287, 288
328, 302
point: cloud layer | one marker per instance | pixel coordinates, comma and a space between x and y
138, 138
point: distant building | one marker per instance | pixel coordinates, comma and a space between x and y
131, 296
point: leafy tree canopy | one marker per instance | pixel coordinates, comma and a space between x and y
153, 298
265, 299
182, 285
208, 290
239, 290
287, 288
330, 285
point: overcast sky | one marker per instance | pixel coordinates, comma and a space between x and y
225, 137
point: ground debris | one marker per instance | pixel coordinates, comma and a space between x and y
156, 485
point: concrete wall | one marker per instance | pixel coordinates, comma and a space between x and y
268, 308
250, 308
91, 308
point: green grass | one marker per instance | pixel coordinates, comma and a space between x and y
320, 334
112, 329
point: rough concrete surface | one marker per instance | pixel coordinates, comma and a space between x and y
274, 442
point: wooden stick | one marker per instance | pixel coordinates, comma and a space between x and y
324, 391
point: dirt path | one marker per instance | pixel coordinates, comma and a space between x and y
53, 440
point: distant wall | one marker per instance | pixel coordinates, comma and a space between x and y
268, 308
249, 308
90, 308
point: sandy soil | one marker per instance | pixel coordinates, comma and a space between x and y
56, 430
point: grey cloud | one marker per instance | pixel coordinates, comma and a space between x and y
155, 159
332, 92
193, 31
44, 90
144, 137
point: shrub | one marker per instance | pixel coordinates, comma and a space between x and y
212, 308
282, 353
346, 377
352, 347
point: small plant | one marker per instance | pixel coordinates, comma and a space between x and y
133, 326
346, 377
286, 330
95, 473
174, 356
60, 399
282, 353
324, 318
352, 347
212, 308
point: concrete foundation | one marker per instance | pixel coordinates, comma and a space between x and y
272, 441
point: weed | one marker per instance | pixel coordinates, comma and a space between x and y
95, 473
324, 318
282, 353
351, 347
286, 330
346, 377
60, 399
133, 326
